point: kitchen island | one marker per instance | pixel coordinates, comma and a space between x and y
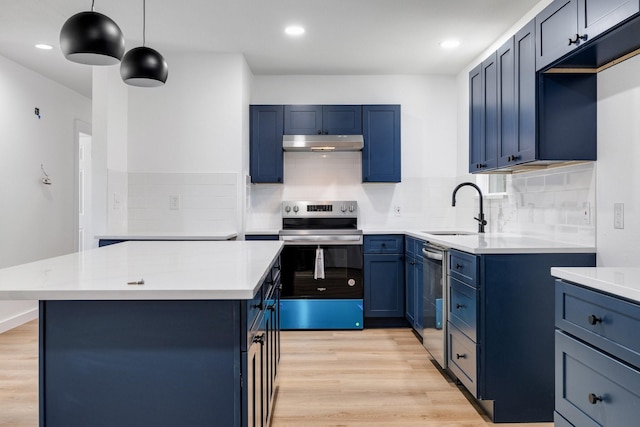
155, 333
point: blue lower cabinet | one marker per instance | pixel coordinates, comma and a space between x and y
384, 285
506, 317
597, 358
321, 314
161, 363
384, 293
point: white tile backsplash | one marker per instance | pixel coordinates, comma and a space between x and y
208, 202
548, 204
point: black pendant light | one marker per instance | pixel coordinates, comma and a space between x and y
143, 66
92, 38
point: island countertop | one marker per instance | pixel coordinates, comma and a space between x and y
619, 281
173, 270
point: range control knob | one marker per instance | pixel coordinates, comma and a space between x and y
343, 208
295, 209
352, 208
287, 209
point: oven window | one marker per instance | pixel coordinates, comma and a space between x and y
342, 272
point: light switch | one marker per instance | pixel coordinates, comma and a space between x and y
618, 215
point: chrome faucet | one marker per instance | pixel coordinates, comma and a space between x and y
480, 219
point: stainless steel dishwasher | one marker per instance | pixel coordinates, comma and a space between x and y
434, 336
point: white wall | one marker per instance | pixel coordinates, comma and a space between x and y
192, 129
618, 177
36, 221
428, 128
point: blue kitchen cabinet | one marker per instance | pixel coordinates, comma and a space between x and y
265, 152
323, 119
517, 100
501, 330
597, 358
566, 25
381, 155
414, 284
383, 276
160, 362
483, 115
540, 118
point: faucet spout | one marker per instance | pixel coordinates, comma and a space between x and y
480, 218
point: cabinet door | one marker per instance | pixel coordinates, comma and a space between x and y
525, 101
418, 323
507, 123
266, 164
556, 26
381, 153
476, 114
483, 152
342, 119
410, 291
383, 286
302, 119
597, 16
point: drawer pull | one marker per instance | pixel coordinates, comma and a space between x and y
461, 356
593, 399
258, 306
459, 306
593, 319
259, 339
458, 266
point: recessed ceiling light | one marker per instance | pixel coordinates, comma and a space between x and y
449, 44
294, 30
44, 46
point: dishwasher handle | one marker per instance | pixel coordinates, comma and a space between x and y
438, 256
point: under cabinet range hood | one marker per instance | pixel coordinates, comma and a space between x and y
322, 142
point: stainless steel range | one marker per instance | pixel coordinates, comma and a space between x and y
322, 286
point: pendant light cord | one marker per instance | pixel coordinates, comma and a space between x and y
93, 8
144, 22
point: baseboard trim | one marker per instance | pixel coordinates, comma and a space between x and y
18, 320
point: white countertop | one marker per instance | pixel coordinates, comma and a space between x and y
501, 243
164, 235
171, 270
621, 281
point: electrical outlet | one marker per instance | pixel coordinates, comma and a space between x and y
586, 213
174, 203
396, 210
618, 215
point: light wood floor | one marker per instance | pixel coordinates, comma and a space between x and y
377, 377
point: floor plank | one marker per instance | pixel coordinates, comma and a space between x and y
327, 378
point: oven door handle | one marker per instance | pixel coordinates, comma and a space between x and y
322, 240
437, 256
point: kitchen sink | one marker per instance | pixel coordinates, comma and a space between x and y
451, 233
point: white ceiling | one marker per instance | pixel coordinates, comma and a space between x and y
342, 36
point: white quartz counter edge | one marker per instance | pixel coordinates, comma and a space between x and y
492, 243
619, 281
168, 236
171, 271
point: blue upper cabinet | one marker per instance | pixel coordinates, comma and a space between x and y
557, 29
483, 119
517, 100
565, 25
322, 119
382, 151
597, 16
266, 156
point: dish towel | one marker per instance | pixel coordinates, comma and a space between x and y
318, 273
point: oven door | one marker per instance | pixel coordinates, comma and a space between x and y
342, 272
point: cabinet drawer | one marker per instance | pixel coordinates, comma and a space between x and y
384, 244
464, 267
463, 308
463, 361
608, 323
560, 421
593, 389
